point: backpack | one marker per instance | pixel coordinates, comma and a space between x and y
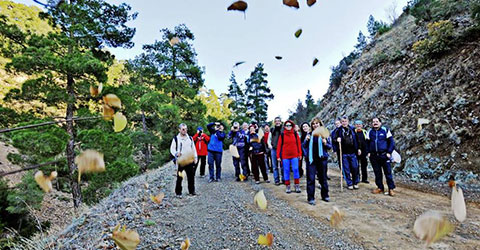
172, 157
347, 137
296, 142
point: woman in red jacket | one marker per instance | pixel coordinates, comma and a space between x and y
289, 151
201, 140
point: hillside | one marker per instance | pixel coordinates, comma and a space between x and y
389, 82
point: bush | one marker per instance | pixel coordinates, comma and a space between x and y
342, 68
434, 10
440, 35
379, 58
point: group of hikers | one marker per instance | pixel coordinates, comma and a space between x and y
283, 149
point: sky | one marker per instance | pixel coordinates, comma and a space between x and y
222, 38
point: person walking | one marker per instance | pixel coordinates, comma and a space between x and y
362, 145
239, 140
215, 151
201, 143
346, 138
289, 152
272, 145
268, 156
257, 152
317, 160
183, 148
380, 145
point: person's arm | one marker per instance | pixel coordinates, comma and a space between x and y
390, 142
279, 143
210, 128
195, 137
220, 135
299, 147
206, 138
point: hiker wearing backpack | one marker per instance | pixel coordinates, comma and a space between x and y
346, 138
362, 145
183, 149
289, 151
215, 151
257, 153
239, 140
272, 145
317, 160
201, 143
380, 145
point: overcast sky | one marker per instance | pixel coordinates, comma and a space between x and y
222, 38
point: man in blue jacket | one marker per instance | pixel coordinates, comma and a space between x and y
215, 150
239, 139
346, 138
380, 145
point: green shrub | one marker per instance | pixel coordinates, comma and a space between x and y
379, 58
383, 28
434, 10
395, 55
440, 35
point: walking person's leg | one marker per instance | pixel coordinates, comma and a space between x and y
377, 170
236, 166
276, 174
263, 168
311, 174
355, 171
387, 169
178, 185
256, 174
203, 159
296, 174
190, 170
323, 179
218, 165
346, 171
286, 169
363, 166
211, 162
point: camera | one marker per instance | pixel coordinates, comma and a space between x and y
235, 127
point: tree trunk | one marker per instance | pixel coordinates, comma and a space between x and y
76, 193
147, 147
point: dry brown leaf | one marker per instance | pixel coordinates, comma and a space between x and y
291, 3
432, 226
112, 100
336, 217
107, 112
45, 182
125, 239
185, 244
311, 2
93, 91
89, 161
158, 198
238, 5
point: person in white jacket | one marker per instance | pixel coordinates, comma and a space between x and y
183, 149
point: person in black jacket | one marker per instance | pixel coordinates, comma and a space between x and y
347, 140
257, 152
362, 145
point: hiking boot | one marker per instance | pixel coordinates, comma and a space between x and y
365, 181
350, 187
326, 199
202, 176
277, 183
288, 189
391, 192
377, 191
192, 194
179, 196
237, 179
210, 180
355, 186
267, 181
311, 202
297, 188
257, 182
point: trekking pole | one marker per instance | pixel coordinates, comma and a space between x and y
341, 167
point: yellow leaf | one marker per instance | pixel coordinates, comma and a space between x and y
265, 240
174, 41
107, 112
336, 217
158, 198
242, 177
185, 244
432, 226
125, 239
181, 173
112, 101
89, 161
260, 200
119, 122
186, 158
458, 204
45, 182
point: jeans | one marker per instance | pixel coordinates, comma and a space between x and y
318, 168
215, 157
350, 169
240, 161
379, 163
287, 163
277, 170
190, 170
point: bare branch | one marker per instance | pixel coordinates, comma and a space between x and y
29, 168
48, 123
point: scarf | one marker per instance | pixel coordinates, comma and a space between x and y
310, 149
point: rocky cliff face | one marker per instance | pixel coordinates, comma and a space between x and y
387, 82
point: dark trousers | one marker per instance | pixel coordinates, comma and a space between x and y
258, 161
190, 170
215, 160
350, 169
379, 163
362, 161
318, 169
202, 160
268, 161
240, 161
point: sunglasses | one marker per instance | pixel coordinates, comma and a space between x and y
288, 125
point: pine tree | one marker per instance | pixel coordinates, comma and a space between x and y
361, 42
258, 93
372, 26
238, 105
309, 106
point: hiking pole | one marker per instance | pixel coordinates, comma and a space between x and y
341, 166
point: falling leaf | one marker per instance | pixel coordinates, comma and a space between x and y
315, 61
238, 5
107, 112
234, 151
278, 57
458, 203
298, 33
89, 161
186, 158
146, 185
185, 244
451, 183
261, 133
265, 240
311, 2
100, 88
396, 157
321, 132
336, 217
238, 63
181, 174
125, 239
119, 122
45, 182
93, 91
432, 226
112, 100
260, 200
242, 177
158, 198
174, 41
291, 3
420, 122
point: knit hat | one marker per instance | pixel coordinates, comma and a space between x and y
199, 128
358, 122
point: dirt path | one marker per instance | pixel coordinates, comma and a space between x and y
223, 216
